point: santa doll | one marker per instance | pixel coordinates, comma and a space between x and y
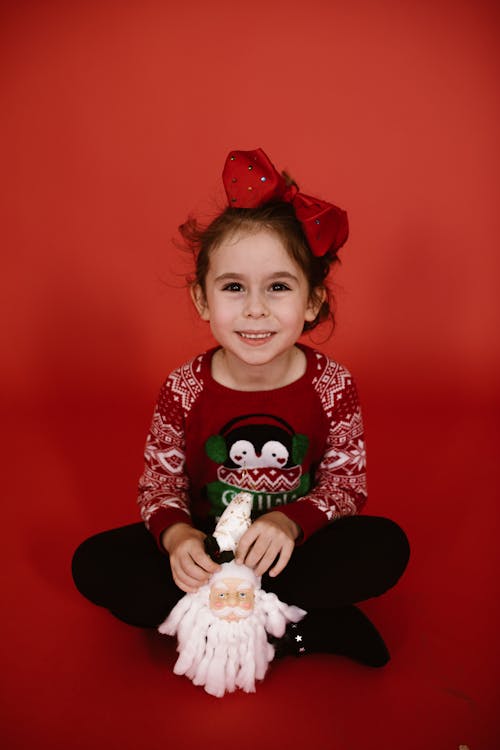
222, 629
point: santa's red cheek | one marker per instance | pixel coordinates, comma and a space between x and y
218, 605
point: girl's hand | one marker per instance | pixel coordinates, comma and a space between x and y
270, 535
190, 564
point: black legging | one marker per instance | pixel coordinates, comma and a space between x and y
352, 559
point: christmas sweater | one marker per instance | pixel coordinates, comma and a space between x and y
298, 449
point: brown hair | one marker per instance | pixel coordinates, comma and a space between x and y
278, 217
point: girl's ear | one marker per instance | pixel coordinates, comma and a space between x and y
200, 302
316, 299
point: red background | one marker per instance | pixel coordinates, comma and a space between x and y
116, 118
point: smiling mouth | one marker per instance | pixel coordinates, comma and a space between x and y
255, 336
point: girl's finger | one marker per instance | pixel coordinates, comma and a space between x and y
185, 566
205, 562
245, 543
185, 583
266, 561
258, 552
194, 572
282, 561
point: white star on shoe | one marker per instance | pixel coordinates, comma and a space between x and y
298, 638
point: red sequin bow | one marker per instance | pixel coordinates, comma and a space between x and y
250, 180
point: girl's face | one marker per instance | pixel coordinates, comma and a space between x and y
257, 298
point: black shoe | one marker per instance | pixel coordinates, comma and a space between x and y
345, 631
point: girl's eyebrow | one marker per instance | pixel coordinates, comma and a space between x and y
239, 276
283, 275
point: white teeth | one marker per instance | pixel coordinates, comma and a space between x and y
255, 335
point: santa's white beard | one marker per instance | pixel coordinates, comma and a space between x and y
220, 655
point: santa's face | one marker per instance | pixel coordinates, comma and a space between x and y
232, 599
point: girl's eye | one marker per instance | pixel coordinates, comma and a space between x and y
233, 286
278, 286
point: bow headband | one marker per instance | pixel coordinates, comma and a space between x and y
251, 180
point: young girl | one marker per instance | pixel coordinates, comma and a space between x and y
265, 414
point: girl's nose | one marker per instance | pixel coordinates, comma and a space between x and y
255, 306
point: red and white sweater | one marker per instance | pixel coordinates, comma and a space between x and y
299, 449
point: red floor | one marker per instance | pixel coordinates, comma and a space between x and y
74, 678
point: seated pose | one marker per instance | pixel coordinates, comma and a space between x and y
265, 415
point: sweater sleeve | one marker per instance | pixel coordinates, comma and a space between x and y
164, 486
340, 479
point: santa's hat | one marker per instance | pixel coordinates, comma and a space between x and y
231, 526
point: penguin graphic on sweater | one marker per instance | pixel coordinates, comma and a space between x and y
261, 454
